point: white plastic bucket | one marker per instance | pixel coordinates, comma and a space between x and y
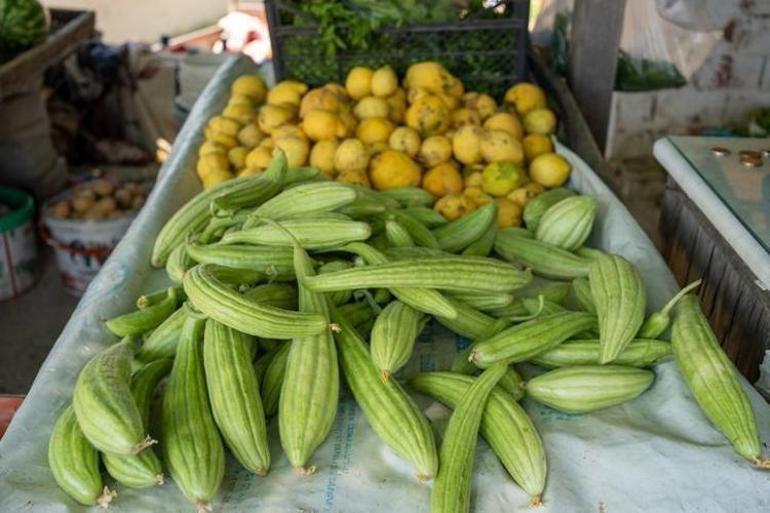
82, 246
18, 250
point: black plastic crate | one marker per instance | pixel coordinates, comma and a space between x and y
496, 46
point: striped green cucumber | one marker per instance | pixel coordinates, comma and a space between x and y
513, 383
357, 312
581, 289
307, 200
471, 323
316, 233
410, 196
393, 336
620, 301
144, 469
218, 301
658, 322
484, 245
428, 301
397, 235
462, 274
425, 215
419, 233
195, 214
74, 462
278, 295
536, 209
178, 263
452, 487
587, 388
523, 341
311, 386
233, 391
362, 208
555, 292
589, 253
544, 259
341, 296
505, 426
273, 262
713, 380
260, 367
158, 296
142, 321
369, 194
275, 178
541, 307
161, 343
461, 233
105, 408
568, 223
391, 413
405, 253
487, 301
270, 387
301, 174
192, 448
641, 352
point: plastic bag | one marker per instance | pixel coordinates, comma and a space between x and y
662, 44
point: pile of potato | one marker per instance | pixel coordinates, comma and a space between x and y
100, 198
423, 131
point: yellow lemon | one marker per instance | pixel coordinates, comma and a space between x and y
224, 125
497, 145
523, 195
435, 150
259, 158
322, 98
211, 147
474, 179
429, 75
242, 100
508, 213
466, 144
536, 144
351, 155
428, 115
384, 81
359, 82
540, 121
295, 148
213, 179
549, 170
371, 107
322, 156
524, 97
443, 179
477, 197
271, 117
241, 113
392, 169
372, 130
357, 177
505, 122
250, 171
405, 139
288, 131
251, 86
250, 135
287, 91
228, 141
212, 163
397, 106
482, 103
453, 206
237, 156
500, 178
320, 124
465, 116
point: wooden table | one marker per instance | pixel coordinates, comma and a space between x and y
715, 225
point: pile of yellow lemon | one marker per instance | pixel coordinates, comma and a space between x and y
425, 131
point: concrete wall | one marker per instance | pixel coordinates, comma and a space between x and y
146, 20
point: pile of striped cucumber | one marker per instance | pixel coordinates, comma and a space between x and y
280, 280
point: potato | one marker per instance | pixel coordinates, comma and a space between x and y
124, 197
100, 209
102, 187
61, 210
83, 201
138, 202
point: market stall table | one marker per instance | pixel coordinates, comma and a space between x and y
715, 224
656, 454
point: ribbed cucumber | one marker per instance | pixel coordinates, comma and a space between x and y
505, 426
461, 233
391, 413
272, 382
317, 233
310, 391
74, 463
307, 200
233, 390
544, 259
568, 223
162, 341
192, 449
641, 352
104, 405
143, 320
273, 262
452, 488
393, 336
523, 341
587, 388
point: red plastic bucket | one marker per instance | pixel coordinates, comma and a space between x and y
8, 406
